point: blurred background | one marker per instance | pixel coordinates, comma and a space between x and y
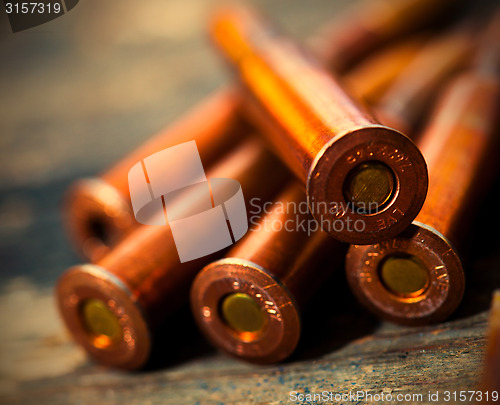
81, 91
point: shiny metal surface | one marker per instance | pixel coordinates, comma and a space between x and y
318, 130
458, 145
142, 280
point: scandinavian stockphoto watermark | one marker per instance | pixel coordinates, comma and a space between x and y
298, 220
170, 187
208, 215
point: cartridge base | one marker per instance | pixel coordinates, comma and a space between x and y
436, 300
79, 289
366, 221
280, 332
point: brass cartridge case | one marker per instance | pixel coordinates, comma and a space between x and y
417, 277
400, 82
365, 26
370, 79
411, 93
249, 303
98, 212
112, 307
365, 182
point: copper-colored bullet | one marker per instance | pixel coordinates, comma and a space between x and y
371, 77
491, 379
112, 307
401, 82
367, 25
365, 182
98, 211
248, 304
417, 277
407, 97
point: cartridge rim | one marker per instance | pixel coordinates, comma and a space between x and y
130, 347
280, 332
434, 303
96, 216
332, 171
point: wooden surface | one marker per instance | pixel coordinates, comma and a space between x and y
78, 93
